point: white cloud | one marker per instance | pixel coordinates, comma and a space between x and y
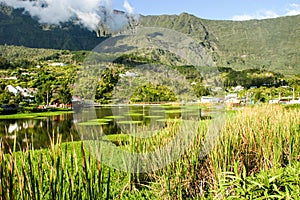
293, 12
259, 15
89, 13
293, 9
242, 17
128, 7
295, 5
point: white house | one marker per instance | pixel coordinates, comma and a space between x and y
57, 64
18, 89
12, 89
231, 96
129, 74
10, 78
238, 88
273, 101
294, 101
206, 99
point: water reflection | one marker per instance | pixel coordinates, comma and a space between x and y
37, 132
122, 119
112, 120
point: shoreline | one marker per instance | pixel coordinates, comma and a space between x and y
32, 115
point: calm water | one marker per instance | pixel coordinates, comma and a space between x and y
37, 131
113, 120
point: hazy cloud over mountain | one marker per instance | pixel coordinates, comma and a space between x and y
89, 13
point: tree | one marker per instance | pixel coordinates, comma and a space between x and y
4, 63
44, 93
64, 94
5, 97
153, 93
18, 99
201, 90
294, 83
109, 79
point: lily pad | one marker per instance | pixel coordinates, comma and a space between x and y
101, 120
134, 114
154, 116
169, 120
130, 122
92, 123
114, 117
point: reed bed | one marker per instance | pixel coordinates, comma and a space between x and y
255, 142
256, 155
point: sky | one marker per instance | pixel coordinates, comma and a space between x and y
216, 9
94, 13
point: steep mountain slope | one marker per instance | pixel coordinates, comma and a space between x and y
17, 28
272, 44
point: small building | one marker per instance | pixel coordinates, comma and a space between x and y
294, 102
57, 64
285, 100
207, 99
216, 89
231, 96
18, 89
12, 89
129, 74
273, 101
238, 88
10, 78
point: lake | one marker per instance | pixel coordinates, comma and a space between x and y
37, 132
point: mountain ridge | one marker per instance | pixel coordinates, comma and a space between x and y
19, 28
272, 44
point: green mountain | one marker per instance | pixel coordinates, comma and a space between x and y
18, 28
271, 44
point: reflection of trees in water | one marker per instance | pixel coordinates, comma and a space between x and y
123, 118
38, 133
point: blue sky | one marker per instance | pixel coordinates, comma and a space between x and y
216, 9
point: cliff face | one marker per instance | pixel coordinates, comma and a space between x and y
17, 28
272, 44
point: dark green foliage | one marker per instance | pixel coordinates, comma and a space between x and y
150, 55
132, 60
64, 94
4, 63
250, 77
201, 90
153, 93
191, 73
23, 63
5, 97
282, 183
109, 79
79, 56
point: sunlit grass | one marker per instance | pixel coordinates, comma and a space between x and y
256, 155
33, 115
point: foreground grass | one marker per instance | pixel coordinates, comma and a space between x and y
66, 171
256, 155
262, 139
